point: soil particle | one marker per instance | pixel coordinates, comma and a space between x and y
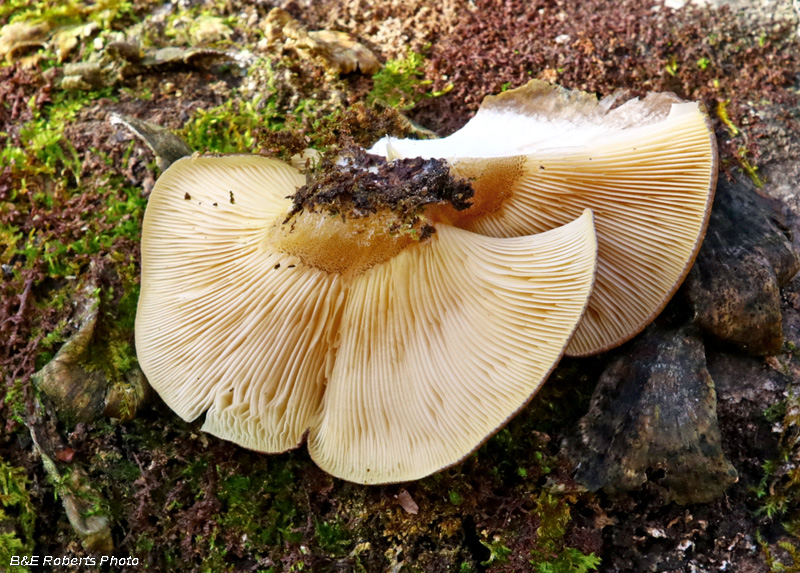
359, 184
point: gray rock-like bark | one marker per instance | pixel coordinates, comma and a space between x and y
653, 416
734, 284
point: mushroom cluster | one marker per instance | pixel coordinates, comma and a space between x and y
396, 353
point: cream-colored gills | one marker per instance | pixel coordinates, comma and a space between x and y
441, 345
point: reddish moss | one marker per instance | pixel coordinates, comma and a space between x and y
606, 45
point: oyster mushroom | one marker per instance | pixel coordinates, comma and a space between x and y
540, 154
397, 357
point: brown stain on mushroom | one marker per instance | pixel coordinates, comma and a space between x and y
362, 210
493, 180
337, 245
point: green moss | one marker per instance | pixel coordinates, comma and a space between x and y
116, 467
570, 561
50, 342
776, 564
54, 337
779, 489
17, 514
113, 355
254, 509
554, 515
230, 127
41, 148
121, 217
251, 124
112, 350
550, 554
144, 544
260, 505
215, 560
9, 238
498, 552
14, 402
401, 83
66, 12
57, 300
333, 537
123, 209
778, 492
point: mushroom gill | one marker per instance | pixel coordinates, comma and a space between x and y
396, 363
539, 155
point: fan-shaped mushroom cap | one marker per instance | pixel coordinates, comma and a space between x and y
540, 154
398, 357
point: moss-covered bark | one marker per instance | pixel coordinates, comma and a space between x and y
73, 189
